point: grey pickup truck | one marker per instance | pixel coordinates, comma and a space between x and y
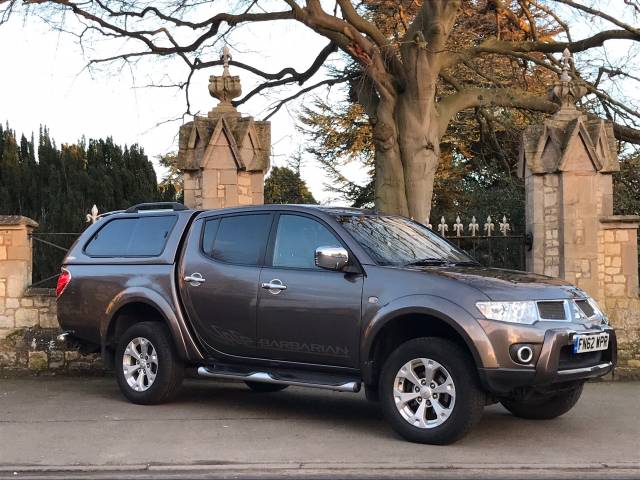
332, 298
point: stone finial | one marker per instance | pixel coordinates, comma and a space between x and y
226, 56
567, 92
225, 88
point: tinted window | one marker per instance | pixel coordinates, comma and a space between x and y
132, 237
400, 241
297, 240
240, 240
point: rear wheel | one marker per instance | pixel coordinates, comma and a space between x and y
544, 407
148, 368
429, 392
263, 387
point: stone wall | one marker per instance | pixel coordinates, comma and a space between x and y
618, 287
28, 323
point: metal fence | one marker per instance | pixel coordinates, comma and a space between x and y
49, 249
493, 244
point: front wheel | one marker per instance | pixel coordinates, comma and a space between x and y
148, 368
544, 407
429, 391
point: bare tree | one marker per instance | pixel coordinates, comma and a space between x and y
399, 77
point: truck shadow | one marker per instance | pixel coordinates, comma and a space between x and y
327, 409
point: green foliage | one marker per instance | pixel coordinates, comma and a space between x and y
285, 185
58, 186
626, 186
340, 134
172, 186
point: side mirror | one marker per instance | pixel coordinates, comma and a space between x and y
331, 258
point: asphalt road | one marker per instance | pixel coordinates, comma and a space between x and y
61, 427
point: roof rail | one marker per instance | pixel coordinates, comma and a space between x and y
175, 206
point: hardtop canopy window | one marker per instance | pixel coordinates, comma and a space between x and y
397, 241
144, 236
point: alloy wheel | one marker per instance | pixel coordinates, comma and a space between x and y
424, 393
140, 364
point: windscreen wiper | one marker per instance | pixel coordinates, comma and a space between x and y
426, 261
429, 261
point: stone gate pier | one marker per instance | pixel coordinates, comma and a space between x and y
567, 164
224, 156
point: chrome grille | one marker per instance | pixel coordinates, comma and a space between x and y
586, 308
552, 310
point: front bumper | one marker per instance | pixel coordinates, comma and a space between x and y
549, 368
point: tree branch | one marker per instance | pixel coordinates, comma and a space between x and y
327, 82
501, 47
480, 97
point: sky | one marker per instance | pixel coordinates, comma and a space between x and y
45, 81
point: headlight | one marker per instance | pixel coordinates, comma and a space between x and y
598, 310
514, 312
595, 306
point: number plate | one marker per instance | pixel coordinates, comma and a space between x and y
590, 343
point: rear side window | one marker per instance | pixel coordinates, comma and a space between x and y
240, 239
132, 237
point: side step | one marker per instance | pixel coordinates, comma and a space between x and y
341, 384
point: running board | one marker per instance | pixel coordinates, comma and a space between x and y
264, 377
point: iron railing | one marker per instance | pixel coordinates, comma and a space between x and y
493, 244
49, 249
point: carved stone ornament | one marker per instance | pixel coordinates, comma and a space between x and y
226, 87
567, 92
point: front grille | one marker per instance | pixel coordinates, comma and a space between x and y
569, 360
552, 310
586, 308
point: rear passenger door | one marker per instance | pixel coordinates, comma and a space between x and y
219, 277
314, 314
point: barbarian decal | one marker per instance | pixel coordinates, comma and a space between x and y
315, 348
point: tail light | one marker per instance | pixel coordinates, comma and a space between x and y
63, 281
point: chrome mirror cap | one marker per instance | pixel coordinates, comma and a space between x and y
331, 258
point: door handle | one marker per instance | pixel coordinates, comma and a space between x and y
275, 286
195, 279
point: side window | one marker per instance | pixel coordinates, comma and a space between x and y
132, 237
240, 239
297, 240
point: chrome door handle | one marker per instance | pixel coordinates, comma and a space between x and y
194, 279
275, 286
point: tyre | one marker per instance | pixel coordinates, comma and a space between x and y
263, 387
429, 391
147, 366
544, 407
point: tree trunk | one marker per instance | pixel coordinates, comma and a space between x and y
419, 139
390, 196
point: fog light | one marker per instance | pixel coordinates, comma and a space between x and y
524, 354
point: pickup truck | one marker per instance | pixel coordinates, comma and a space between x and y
332, 298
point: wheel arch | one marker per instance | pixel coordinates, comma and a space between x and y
395, 324
135, 306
